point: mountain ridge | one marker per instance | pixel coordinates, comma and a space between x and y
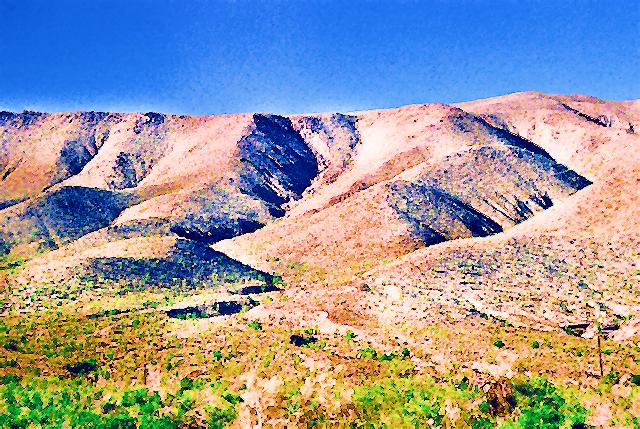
331, 190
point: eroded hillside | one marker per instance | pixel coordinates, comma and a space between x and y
106, 196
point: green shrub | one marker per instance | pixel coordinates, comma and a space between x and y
9, 364
9, 379
387, 357
221, 417
11, 344
368, 352
611, 378
53, 403
542, 406
186, 384
396, 403
256, 325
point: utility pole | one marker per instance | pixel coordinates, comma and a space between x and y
600, 350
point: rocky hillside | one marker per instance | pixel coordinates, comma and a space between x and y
143, 196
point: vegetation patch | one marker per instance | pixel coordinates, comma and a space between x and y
543, 406
53, 403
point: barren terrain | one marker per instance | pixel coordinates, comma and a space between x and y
423, 266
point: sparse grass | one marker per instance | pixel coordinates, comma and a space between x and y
57, 402
209, 374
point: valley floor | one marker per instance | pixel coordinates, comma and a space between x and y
121, 361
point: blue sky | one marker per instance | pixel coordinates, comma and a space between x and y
199, 57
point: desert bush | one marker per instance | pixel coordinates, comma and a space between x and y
255, 325
407, 403
53, 403
542, 406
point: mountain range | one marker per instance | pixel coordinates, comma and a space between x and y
523, 207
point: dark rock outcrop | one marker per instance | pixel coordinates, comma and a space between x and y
437, 216
145, 148
276, 165
481, 191
216, 213
75, 154
601, 120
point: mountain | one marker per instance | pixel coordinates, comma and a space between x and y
481, 205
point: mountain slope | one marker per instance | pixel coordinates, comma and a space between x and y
334, 193
425, 174
567, 263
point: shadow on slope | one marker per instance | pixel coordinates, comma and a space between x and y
466, 122
217, 213
220, 308
38, 151
188, 264
276, 165
481, 191
437, 216
61, 216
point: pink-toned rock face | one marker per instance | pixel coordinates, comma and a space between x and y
342, 193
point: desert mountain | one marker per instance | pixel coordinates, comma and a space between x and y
418, 195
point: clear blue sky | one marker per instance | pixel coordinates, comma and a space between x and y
198, 57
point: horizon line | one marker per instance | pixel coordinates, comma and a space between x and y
316, 112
